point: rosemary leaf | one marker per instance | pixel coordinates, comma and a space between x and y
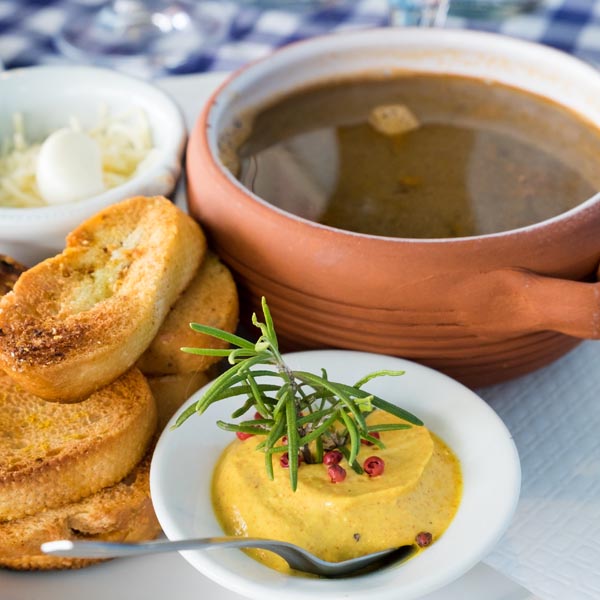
275, 433
257, 395
389, 427
224, 381
354, 435
243, 428
269, 465
245, 390
396, 411
336, 390
374, 441
292, 433
281, 399
239, 354
353, 465
319, 449
268, 422
319, 431
206, 351
269, 323
185, 415
225, 336
242, 410
313, 417
384, 405
278, 449
376, 374
313, 412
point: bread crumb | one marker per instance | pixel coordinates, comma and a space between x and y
393, 119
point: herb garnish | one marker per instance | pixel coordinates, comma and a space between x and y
304, 414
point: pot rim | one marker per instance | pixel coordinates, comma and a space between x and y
203, 135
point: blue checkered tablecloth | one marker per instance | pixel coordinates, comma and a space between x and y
28, 30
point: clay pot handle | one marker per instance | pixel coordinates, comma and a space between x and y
520, 301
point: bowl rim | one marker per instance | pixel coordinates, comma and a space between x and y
184, 512
204, 128
168, 160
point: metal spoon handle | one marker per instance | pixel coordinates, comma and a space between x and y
296, 557
90, 549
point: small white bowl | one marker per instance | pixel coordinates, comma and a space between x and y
181, 473
47, 97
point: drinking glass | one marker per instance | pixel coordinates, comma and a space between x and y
150, 33
418, 13
433, 13
490, 9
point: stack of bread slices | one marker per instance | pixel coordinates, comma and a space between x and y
90, 364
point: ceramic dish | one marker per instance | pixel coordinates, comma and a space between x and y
48, 97
184, 459
481, 309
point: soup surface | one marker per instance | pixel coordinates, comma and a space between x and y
419, 156
419, 491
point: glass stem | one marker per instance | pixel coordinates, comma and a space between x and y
418, 13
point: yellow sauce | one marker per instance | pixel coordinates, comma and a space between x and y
419, 490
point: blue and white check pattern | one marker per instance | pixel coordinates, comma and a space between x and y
28, 29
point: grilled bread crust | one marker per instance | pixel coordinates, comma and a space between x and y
210, 299
52, 453
10, 270
122, 512
171, 391
75, 322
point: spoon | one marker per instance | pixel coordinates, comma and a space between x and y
296, 557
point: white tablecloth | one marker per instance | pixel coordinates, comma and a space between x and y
553, 544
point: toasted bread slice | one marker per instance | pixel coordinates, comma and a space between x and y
53, 453
10, 270
210, 299
75, 322
171, 391
122, 512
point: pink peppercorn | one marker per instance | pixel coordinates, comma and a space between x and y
374, 434
333, 457
243, 436
284, 461
373, 466
336, 473
424, 538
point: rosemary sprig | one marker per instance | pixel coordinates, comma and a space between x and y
303, 414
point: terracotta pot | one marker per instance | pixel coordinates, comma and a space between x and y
482, 309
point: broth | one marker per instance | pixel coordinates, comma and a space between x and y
483, 157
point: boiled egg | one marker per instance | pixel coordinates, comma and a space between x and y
69, 167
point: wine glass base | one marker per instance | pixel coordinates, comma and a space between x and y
491, 9
151, 36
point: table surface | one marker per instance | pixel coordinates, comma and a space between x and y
28, 30
553, 544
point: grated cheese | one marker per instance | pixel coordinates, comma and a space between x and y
126, 147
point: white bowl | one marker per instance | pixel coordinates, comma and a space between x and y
181, 472
47, 97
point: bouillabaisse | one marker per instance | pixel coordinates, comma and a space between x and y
416, 155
